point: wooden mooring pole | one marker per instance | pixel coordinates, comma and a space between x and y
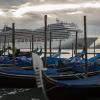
72, 49
50, 44
45, 41
4, 44
76, 43
30, 46
94, 48
59, 48
85, 44
32, 42
13, 42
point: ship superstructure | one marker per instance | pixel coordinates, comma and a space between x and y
60, 30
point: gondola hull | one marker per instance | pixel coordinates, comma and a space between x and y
17, 81
55, 91
10, 81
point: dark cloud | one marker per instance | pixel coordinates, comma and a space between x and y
8, 3
34, 20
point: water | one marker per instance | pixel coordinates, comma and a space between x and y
67, 53
21, 94
24, 94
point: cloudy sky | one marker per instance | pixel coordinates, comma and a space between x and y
30, 13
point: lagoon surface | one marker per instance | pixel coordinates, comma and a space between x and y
24, 94
21, 94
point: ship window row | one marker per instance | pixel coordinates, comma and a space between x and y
35, 40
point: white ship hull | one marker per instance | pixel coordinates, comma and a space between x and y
65, 44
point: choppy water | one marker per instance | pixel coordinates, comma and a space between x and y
21, 94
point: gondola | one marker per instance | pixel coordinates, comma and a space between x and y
71, 84
83, 88
16, 77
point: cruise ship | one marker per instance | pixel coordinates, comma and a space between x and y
64, 31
